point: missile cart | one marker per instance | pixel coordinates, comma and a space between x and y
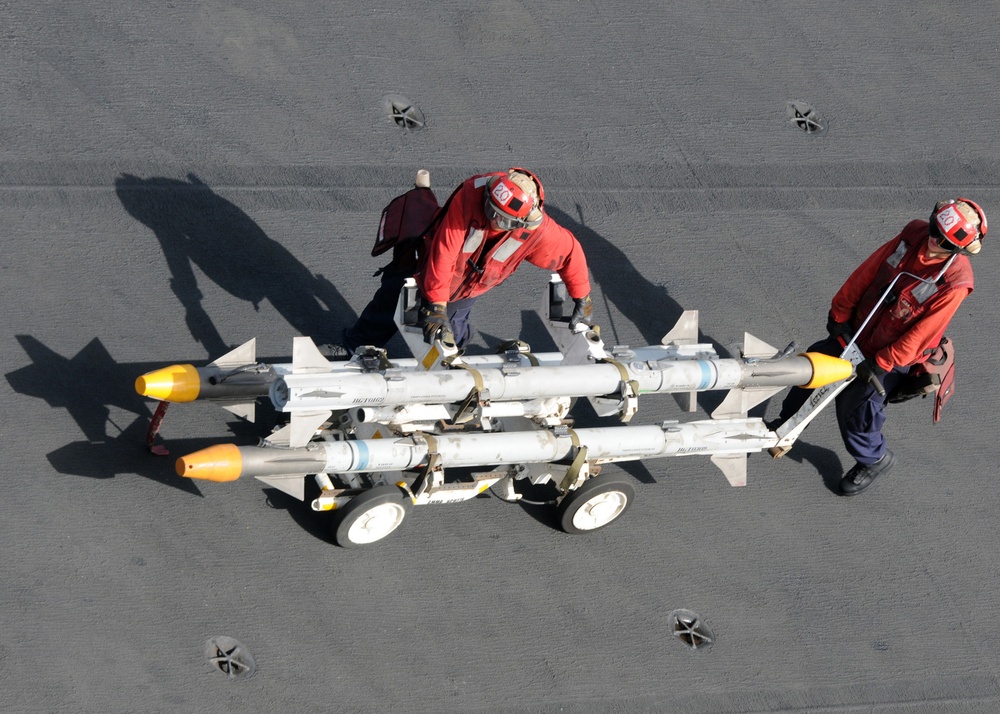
377, 434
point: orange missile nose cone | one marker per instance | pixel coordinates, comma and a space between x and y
176, 383
219, 463
827, 369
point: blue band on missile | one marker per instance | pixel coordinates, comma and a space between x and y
706, 374
364, 456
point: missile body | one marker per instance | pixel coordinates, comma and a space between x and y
341, 390
228, 462
427, 414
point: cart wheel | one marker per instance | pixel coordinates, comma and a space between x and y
598, 502
371, 516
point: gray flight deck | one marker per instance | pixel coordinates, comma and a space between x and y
176, 178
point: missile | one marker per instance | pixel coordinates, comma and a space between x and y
312, 386
331, 391
485, 387
236, 379
724, 440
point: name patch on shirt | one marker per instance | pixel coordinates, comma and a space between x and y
473, 239
507, 249
896, 258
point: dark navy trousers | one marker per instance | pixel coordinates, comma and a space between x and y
376, 326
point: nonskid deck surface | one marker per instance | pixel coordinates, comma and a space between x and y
177, 179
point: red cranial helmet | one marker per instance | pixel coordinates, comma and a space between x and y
514, 200
958, 226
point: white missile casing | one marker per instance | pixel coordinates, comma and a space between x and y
603, 444
331, 391
428, 413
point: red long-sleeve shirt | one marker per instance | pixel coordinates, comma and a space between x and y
446, 274
909, 347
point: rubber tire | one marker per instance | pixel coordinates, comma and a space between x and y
393, 501
599, 491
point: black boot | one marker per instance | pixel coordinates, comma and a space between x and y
861, 477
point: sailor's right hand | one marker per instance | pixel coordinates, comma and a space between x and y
436, 325
872, 372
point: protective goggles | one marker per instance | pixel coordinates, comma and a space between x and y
504, 221
508, 206
945, 244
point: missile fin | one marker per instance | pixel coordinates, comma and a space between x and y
294, 486
741, 400
604, 406
244, 410
756, 347
733, 467
684, 331
304, 427
281, 437
687, 401
242, 355
306, 357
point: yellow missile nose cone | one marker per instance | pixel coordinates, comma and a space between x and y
176, 383
219, 463
827, 369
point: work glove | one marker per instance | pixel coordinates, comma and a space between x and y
582, 310
436, 325
872, 373
839, 329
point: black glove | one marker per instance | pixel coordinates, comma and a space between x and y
839, 329
872, 373
583, 309
436, 325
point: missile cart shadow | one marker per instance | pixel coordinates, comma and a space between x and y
377, 434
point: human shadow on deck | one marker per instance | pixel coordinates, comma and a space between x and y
99, 395
825, 461
197, 227
647, 305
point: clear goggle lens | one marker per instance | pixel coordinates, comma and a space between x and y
502, 220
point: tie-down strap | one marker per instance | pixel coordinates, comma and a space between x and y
628, 390
479, 396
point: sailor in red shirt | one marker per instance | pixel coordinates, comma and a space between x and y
932, 259
490, 225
